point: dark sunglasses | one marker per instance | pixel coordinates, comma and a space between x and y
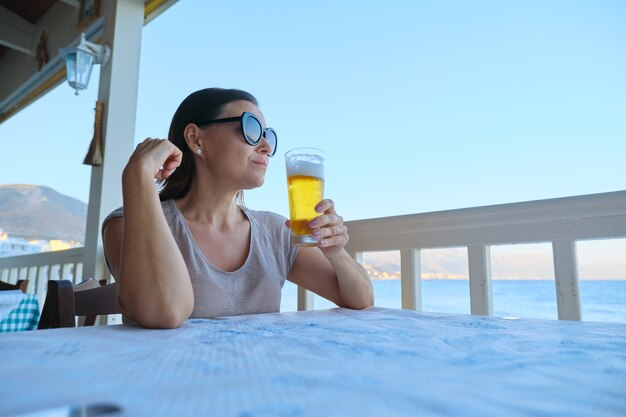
251, 129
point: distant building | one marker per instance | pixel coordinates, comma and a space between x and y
16, 245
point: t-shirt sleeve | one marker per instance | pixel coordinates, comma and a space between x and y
291, 250
119, 212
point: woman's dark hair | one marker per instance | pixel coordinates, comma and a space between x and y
204, 104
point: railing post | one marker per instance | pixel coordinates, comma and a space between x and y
41, 286
55, 272
479, 262
305, 299
65, 272
32, 273
78, 273
411, 279
566, 279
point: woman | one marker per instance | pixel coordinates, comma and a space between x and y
194, 250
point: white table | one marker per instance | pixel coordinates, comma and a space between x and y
377, 362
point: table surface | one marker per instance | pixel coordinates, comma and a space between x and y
339, 362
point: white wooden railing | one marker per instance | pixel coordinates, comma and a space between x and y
40, 267
561, 221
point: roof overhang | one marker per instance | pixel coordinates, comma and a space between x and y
31, 34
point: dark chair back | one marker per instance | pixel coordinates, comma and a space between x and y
21, 284
64, 302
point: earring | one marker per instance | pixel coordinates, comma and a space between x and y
198, 151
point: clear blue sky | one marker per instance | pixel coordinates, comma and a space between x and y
419, 105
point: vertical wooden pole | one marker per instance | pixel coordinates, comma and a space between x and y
479, 261
119, 80
411, 279
566, 280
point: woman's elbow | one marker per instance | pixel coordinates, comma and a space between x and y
169, 319
362, 303
164, 317
365, 304
165, 322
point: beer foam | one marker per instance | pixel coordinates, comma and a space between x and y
314, 167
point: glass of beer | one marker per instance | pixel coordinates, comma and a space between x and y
305, 182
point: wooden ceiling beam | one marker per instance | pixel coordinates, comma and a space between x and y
16, 32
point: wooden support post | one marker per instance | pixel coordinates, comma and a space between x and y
119, 80
566, 280
411, 279
479, 261
305, 299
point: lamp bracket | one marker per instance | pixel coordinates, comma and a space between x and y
103, 52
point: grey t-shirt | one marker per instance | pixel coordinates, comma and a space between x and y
255, 287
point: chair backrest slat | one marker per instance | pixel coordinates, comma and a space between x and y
65, 301
100, 300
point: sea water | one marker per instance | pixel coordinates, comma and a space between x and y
603, 301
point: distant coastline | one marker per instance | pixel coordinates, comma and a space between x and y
534, 265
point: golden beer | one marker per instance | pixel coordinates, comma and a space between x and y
304, 194
305, 183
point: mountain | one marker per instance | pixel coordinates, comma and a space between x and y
37, 212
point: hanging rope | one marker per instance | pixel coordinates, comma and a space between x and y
94, 154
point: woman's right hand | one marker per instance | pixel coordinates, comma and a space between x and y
156, 157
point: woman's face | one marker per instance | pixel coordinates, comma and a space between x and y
227, 155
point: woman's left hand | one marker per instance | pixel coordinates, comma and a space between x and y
329, 229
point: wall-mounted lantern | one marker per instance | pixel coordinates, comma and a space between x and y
81, 59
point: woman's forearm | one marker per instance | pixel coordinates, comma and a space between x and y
154, 285
355, 287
